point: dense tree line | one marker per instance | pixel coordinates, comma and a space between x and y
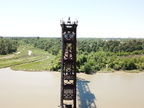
7, 46
118, 54
52, 45
95, 45
92, 54
96, 61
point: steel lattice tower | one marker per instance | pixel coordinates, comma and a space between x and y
68, 64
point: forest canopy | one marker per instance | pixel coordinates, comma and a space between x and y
93, 54
7, 46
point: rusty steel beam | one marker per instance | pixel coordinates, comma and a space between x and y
68, 64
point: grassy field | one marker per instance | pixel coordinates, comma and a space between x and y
37, 61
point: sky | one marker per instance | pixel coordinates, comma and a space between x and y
97, 18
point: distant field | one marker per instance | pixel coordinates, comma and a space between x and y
21, 60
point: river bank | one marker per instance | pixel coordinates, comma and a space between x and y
20, 89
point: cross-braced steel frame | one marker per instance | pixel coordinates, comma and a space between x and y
68, 64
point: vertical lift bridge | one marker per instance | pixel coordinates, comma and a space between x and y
68, 62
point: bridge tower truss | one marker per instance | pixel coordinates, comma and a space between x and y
68, 64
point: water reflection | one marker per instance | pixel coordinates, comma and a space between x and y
86, 99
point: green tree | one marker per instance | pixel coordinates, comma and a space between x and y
87, 68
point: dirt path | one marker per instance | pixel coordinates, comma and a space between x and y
7, 56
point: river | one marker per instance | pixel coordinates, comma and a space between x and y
19, 89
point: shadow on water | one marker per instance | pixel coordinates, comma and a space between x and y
86, 99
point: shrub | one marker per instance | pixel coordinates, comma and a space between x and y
87, 68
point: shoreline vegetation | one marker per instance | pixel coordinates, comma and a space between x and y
101, 71
93, 55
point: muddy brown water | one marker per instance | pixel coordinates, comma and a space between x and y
19, 89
